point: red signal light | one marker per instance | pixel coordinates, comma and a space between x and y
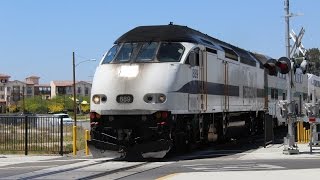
284, 65
270, 65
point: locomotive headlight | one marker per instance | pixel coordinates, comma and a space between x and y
162, 98
154, 98
96, 99
128, 71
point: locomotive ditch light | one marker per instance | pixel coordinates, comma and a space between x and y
96, 99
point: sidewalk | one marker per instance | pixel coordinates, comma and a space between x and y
6, 160
275, 151
247, 175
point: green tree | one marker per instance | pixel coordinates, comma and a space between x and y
64, 101
55, 107
34, 104
313, 55
13, 108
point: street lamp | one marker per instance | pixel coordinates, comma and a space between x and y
74, 65
74, 86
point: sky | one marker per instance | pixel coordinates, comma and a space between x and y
37, 37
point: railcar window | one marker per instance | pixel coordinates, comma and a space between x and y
147, 51
298, 78
170, 52
126, 52
316, 83
274, 93
230, 54
305, 96
282, 76
110, 55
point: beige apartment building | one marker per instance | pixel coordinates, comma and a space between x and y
11, 92
83, 88
3, 87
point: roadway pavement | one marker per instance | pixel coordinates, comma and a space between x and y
260, 163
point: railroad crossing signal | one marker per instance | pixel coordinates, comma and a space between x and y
282, 65
298, 45
297, 42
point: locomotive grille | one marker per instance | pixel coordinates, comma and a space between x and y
125, 98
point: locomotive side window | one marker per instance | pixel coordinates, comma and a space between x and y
230, 54
193, 57
110, 55
147, 51
126, 52
170, 52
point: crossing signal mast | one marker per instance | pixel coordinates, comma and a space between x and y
290, 146
287, 65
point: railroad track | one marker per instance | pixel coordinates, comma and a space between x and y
91, 169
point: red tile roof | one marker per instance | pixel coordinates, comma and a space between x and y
34, 77
4, 75
42, 85
63, 83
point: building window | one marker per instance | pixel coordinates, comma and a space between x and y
29, 90
8, 89
16, 98
69, 89
79, 90
1, 88
86, 91
61, 90
16, 89
2, 96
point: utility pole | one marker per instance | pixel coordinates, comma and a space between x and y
74, 89
23, 101
290, 147
74, 129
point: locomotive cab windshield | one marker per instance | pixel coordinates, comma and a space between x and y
141, 52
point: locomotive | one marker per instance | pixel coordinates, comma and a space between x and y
169, 87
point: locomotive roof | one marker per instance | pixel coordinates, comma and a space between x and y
177, 33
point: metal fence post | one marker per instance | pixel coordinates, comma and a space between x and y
87, 137
265, 129
61, 136
26, 135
